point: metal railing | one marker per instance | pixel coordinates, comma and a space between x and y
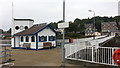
5, 53
5, 41
101, 55
84, 51
59, 41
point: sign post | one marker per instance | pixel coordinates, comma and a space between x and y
63, 26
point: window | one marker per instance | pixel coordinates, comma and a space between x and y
51, 38
17, 27
22, 39
27, 39
21, 27
26, 27
32, 39
42, 38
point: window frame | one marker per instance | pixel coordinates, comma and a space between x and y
17, 27
32, 38
43, 37
26, 27
53, 38
27, 39
22, 39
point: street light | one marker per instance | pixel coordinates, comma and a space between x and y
63, 42
93, 22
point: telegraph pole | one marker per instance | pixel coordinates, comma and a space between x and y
63, 10
12, 20
12, 17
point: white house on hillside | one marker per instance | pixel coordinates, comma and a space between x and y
36, 37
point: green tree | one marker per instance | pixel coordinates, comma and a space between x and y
54, 25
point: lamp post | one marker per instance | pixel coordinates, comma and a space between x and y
13, 25
63, 42
93, 22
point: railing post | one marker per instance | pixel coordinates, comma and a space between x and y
92, 53
108, 55
112, 60
70, 51
98, 55
76, 51
111, 56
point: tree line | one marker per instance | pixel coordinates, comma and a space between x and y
77, 29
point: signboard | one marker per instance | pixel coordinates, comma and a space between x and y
63, 25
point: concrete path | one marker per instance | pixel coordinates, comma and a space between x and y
48, 57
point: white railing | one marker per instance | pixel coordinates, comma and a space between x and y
72, 48
59, 41
84, 51
5, 41
101, 55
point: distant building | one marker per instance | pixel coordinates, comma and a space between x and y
118, 25
88, 29
1, 35
97, 33
1, 31
109, 28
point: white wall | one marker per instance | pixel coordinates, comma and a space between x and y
30, 23
46, 32
22, 23
33, 44
17, 41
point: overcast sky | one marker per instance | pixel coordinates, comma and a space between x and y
51, 10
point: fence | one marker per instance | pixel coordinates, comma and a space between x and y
85, 51
59, 41
101, 55
5, 51
5, 41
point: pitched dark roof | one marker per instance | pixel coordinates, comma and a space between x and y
30, 31
23, 19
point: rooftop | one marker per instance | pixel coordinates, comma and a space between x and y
31, 30
34, 30
23, 19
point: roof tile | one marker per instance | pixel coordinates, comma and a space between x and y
31, 30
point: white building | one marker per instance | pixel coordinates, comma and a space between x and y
36, 37
20, 25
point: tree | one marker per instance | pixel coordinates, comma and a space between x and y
1, 31
54, 25
9, 31
117, 18
77, 27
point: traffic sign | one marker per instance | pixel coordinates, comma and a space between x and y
63, 25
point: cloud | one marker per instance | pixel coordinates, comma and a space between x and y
49, 11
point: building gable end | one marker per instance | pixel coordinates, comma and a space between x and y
44, 28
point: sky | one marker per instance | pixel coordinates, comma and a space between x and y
46, 11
